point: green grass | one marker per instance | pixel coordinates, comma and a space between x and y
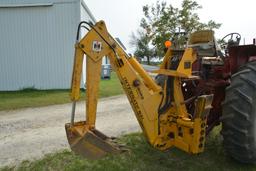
35, 98
142, 157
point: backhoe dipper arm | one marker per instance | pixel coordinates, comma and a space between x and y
171, 127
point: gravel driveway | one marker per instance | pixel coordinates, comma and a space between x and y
28, 134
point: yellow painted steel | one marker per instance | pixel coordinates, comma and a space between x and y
148, 80
186, 62
175, 127
93, 69
167, 58
184, 68
77, 71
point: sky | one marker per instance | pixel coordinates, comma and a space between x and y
123, 17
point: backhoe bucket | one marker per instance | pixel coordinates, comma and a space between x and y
91, 144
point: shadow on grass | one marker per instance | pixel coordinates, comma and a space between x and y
142, 157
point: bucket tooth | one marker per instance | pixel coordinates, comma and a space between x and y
90, 143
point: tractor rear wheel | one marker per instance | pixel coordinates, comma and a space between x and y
239, 115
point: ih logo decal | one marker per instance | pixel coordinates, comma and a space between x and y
96, 46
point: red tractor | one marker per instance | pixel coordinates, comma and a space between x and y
231, 77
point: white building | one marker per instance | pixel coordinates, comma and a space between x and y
37, 42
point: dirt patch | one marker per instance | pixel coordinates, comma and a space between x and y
31, 133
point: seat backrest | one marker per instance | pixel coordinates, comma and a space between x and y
204, 42
203, 36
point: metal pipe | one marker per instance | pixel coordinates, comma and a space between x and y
73, 113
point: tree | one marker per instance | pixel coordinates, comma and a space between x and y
161, 21
142, 44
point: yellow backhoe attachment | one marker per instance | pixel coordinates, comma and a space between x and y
160, 110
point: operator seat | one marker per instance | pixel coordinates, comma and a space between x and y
205, 44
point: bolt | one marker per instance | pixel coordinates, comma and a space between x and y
113, 45
136, 83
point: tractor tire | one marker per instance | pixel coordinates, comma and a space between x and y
239, 115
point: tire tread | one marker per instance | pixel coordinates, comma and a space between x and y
238, 118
